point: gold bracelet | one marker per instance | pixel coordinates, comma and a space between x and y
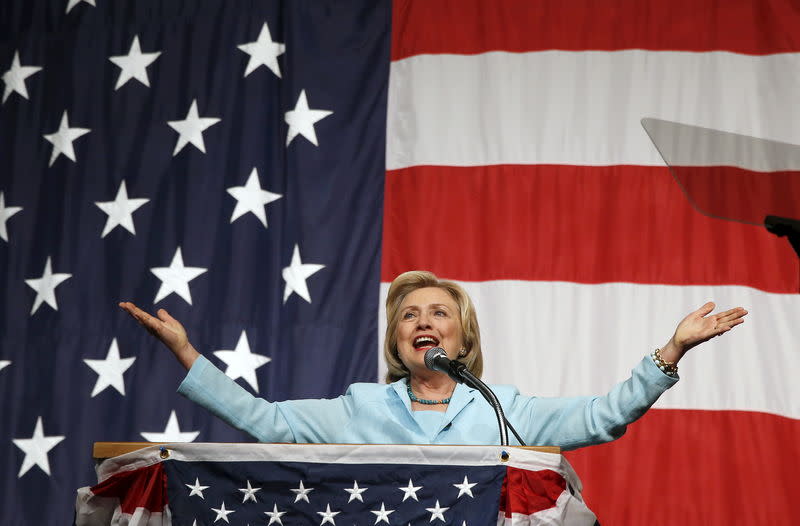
668, 368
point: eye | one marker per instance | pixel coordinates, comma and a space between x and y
408, 315
440, 313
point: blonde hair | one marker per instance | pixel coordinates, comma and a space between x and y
401, 287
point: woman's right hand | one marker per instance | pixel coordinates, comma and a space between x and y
167, 329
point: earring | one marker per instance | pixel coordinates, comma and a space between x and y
462, 353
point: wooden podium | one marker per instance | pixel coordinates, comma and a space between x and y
197, 484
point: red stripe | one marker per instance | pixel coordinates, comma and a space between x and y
141, 488
527, 491
696, 451
756, 194
474, 26
571, 223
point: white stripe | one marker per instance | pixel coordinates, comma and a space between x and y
579, 108
565, 339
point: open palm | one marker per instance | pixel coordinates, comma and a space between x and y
699, 326
165, 328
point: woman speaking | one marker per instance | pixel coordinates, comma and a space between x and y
422, 406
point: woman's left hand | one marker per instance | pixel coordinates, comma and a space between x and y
699, 327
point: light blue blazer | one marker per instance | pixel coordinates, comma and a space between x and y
381, 414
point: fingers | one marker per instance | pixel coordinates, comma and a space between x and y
165, 328
728, 325
139, 315
725, 321
166, 317
705, 309
722, 329
130, 308
731, 314
723, 317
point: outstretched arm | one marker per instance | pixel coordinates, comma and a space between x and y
307, 421
574, 422
167, 329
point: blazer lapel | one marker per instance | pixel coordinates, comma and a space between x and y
462, 396
401, 389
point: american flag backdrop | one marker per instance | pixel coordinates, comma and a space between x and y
224, 161
264, 169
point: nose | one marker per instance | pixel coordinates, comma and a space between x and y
423, 322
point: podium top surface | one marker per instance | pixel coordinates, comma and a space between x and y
103, 450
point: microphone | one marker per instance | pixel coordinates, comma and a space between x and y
436, 359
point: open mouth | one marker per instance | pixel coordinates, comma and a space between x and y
425, 342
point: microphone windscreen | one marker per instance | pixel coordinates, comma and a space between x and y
431, 355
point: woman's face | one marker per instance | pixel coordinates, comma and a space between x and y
429, 317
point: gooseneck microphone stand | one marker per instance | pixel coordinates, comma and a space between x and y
502, 423
437, 360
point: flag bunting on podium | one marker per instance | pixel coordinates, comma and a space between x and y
206, 483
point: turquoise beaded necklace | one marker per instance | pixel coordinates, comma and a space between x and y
423, 401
